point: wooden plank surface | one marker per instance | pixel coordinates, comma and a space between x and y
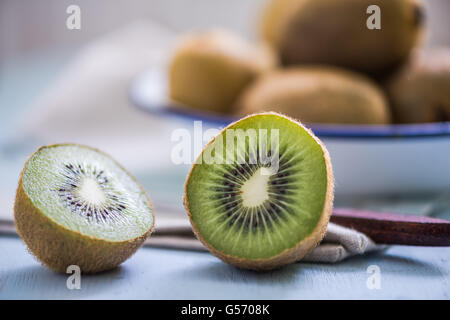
406, 273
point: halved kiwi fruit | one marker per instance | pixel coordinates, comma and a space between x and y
317, 94
209, 69
77, 206
335, 32
266, 198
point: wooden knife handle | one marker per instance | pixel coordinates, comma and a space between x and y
391, 228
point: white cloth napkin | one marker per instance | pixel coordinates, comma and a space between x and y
89, 104
339, 242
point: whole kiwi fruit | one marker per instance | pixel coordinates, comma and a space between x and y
77, 206
209, 69
420, 91
260, 194
317, 94
335, 32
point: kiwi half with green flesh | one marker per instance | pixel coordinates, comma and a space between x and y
256, 215
209, 69
335, 32
317, 94
77, 206
420, 91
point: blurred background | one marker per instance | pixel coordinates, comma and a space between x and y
28, 27
45, 95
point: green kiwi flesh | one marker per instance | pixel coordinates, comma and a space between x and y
77, 206
256, 220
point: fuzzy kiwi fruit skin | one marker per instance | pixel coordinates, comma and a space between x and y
420, 91
290, 255
209, 70
317, 94
58, 247
335, 32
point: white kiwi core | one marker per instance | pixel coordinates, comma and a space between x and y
91, 192
255, 190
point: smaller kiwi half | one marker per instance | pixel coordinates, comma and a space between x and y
335, 32
271, 205
209, 69
77, 206
420, 92
317, 94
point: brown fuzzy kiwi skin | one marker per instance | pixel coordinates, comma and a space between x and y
58, 247
335, 32
420, 91
317, 94
209, 70
290, 255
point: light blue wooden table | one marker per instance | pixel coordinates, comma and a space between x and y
406, 273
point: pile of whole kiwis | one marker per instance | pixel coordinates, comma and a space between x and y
319, 62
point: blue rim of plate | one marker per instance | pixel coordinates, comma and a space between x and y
148, 92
